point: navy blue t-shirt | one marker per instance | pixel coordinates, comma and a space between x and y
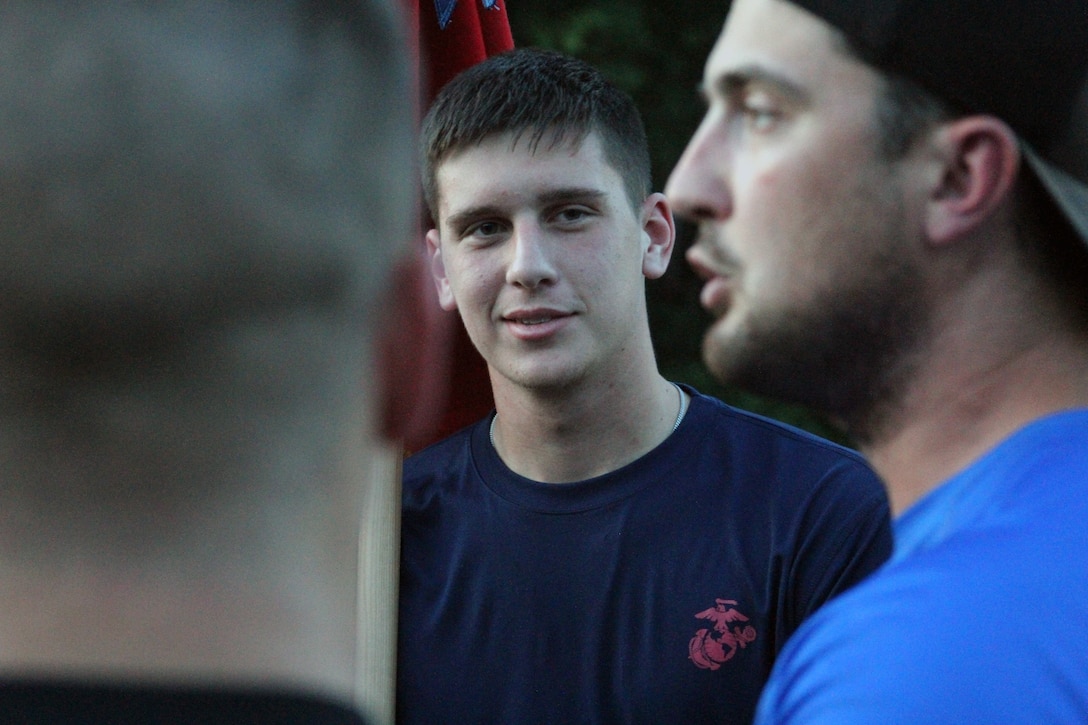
660, 592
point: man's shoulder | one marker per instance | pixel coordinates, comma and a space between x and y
861, 653
803, 482
762, 427
761, 443
442, 453
948, 627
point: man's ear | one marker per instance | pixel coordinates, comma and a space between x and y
438, 271
979, 157
660, 232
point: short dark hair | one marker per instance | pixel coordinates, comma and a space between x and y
549, 96
904, 111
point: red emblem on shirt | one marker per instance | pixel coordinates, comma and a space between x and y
709, 648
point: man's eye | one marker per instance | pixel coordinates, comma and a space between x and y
761, 118
484, 229
572, 215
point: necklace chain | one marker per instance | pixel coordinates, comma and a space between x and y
676, 424
683, 407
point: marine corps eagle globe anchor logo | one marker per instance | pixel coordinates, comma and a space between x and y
712, 647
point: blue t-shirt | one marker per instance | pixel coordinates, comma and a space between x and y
658, 593
981, 616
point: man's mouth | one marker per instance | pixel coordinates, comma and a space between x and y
534, 316
536, 325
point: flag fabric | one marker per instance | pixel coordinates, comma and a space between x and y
455, 34
445, 8
450, 35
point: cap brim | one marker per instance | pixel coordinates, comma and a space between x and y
1070, 195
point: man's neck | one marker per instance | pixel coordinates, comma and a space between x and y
960, 408
254, 587
585, 430
164, 627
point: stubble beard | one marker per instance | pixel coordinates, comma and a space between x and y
847, 353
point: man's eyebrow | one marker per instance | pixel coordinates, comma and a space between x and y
569, 194
471, 214
729, 84
550, 197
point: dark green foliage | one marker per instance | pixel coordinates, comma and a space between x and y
655, 51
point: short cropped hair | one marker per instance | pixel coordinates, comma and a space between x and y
550, 97
194, 195
145, 191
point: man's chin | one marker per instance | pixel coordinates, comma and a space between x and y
836, 370
546, 378
734, 357
722, 350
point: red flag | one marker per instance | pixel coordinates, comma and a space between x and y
474, 30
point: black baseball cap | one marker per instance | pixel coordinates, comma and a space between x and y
1023, 61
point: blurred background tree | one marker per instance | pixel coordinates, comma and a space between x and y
655, 51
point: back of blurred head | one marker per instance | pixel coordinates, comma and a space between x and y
200, 204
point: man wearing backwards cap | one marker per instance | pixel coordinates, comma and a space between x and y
894, 215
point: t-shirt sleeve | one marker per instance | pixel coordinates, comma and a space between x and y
844, 535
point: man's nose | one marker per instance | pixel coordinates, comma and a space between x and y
531, 264
698, 187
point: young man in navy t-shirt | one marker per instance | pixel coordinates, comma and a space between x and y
609, 546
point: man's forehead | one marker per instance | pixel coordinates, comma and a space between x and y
485, 157
541, 142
